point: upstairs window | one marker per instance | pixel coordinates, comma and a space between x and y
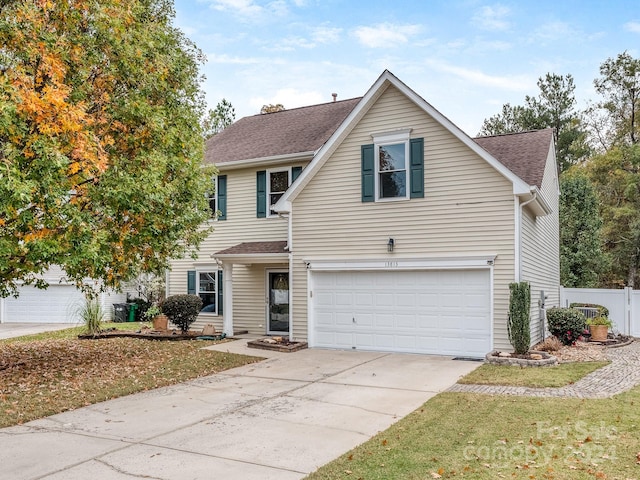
270, 186
218, 198
391, 166
277, 183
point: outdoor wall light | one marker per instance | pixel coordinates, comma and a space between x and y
390, 244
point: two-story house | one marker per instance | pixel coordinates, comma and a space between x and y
375, 223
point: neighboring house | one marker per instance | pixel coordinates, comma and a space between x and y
377, 224
58, 303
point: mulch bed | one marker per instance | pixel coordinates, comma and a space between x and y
282, 344
148, 334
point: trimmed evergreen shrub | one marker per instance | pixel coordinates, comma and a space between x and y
182, 310
519, 326
566, 323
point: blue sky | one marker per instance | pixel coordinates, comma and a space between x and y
465, 57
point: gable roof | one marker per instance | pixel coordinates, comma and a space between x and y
524, 153
521, 188
288, 132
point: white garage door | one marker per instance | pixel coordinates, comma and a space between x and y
56, 304
444, 312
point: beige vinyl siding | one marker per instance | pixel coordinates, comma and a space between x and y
468, 208
241, 225
540, 251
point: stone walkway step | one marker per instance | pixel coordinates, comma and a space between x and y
622, 374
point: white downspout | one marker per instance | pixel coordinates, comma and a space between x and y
290, 249
519, 234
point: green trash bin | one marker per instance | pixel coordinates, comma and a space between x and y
132, 312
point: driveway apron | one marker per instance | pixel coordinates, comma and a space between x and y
280, 418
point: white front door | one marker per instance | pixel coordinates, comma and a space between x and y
278, 302
446, 312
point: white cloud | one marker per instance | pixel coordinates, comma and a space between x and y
633, 27
492, 17
231, 60
552, 31
244, 8
326, 34
290, 44
290, 98
512, 82
250, 9
385, 34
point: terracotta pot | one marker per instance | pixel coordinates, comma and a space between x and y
598, 332
160, 322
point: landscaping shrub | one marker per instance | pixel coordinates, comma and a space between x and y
550, 344
91, 313
518, 326
566, 323
182, 310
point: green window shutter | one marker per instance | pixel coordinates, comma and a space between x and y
368, 173
261, 194
417, 167
222, 197
191, 282
220, 296
295, 173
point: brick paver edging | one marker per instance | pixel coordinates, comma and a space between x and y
623, 373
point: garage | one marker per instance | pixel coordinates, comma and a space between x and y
56, 304
443, 312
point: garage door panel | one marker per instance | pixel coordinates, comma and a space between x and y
438, 312
364, 299
406, 321
326, 299
385, 320
343, 298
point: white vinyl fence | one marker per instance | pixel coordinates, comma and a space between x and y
623, 305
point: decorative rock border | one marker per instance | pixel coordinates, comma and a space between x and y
287, 347
496, 358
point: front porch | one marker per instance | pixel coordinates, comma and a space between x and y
265, 286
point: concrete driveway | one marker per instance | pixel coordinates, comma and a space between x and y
11, 330
281, 418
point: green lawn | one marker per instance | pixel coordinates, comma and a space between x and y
49, 373
555, 376
458, 435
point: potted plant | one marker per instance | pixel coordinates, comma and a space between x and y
155, 315
599, 327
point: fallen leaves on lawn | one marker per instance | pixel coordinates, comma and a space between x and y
43, 377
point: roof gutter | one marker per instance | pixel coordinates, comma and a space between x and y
261, 161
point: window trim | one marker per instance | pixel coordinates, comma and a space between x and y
269, 171
392, 138
214, 271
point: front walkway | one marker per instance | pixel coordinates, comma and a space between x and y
622, 374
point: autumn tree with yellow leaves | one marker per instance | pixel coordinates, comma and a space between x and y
100, 140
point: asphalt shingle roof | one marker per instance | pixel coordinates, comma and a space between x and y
306, 129
255, 248
292, 131
525, 154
